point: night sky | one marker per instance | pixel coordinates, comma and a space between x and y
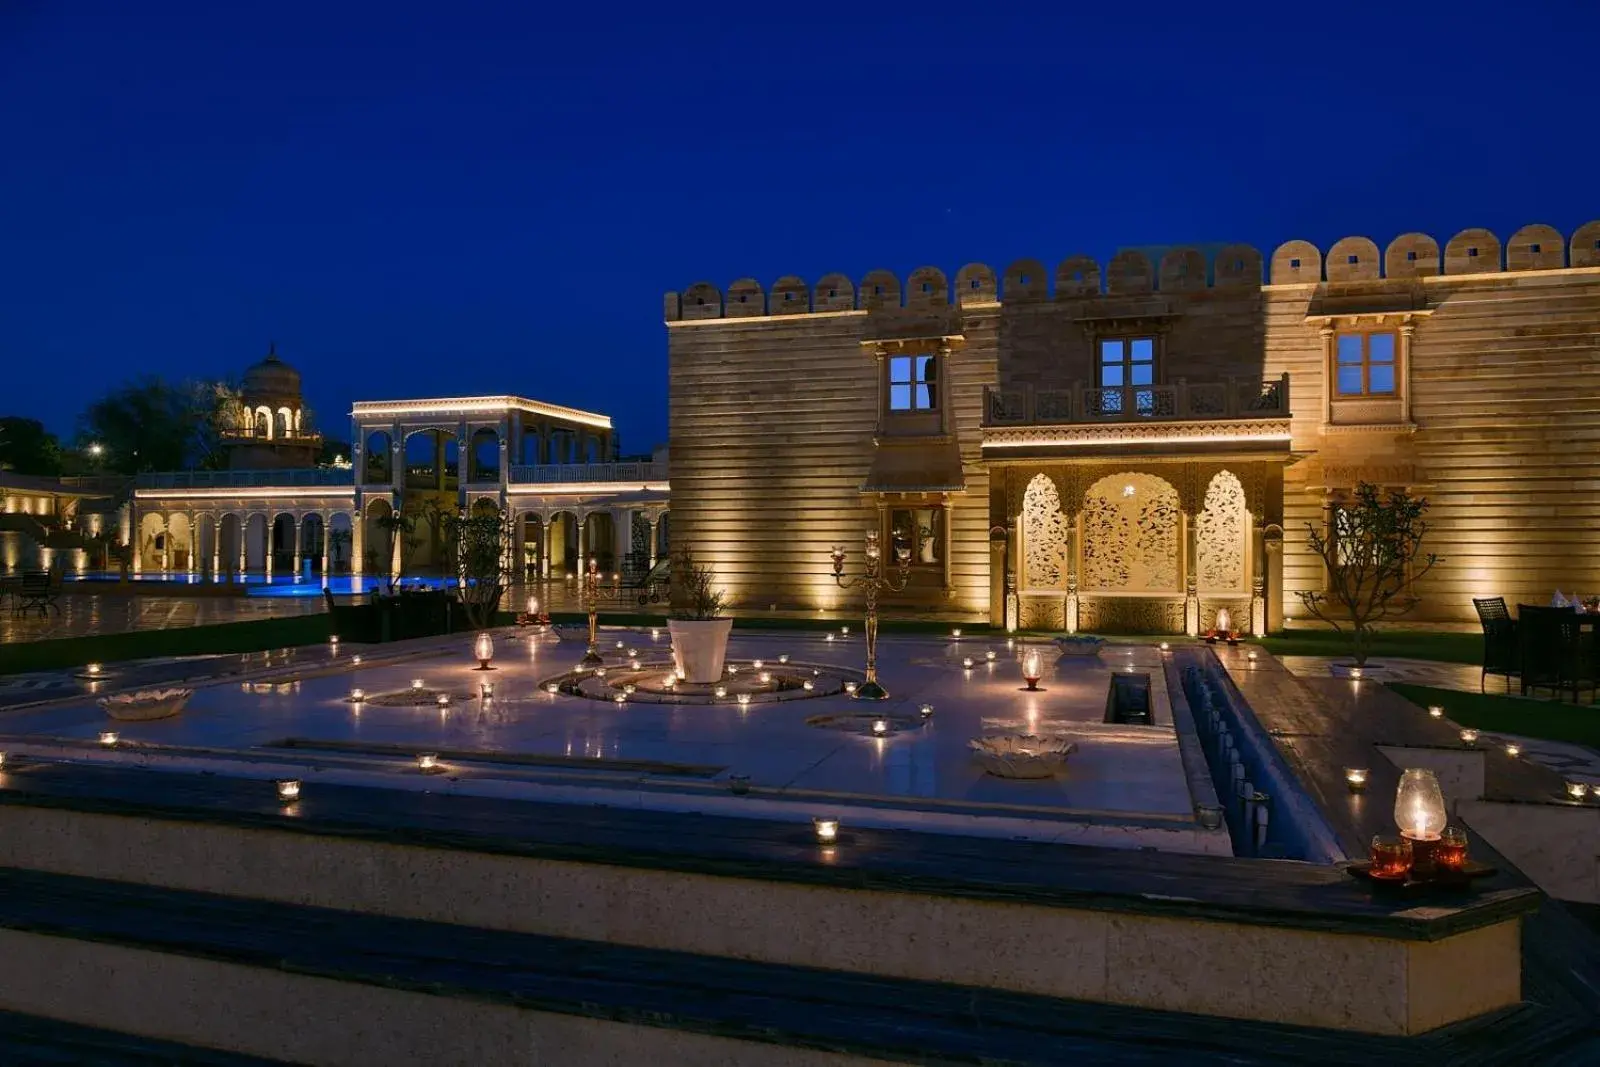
460, 197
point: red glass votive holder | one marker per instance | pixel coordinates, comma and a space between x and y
1450, 854
1390, 857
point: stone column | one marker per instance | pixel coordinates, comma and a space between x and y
397, 462
654, 519
327, 543
583, 555
1258, 572
1191, 575
244, 542
1070, 611
505, 451
299, 544
1013, 551
216, 548
267, 554
463, 459
1330, 373
166, 544
544, 549
1403, 369
358, 545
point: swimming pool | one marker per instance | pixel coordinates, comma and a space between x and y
259, 585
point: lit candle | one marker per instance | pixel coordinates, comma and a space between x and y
830, 637
720, 691
630, 689
1469, 736
669, 681
845, 630
1165, 647
599, 672
784, 658
850, 687
288, 789
356, 660
989, 655
633, 663
1435, 711
483, 650
486, 691
1451, 851
93, 668
533, 605
416, 683
444, 700
620, 698
757, 664
808, 685
926, 710
956, 633
966, 662
1575, 790
1355, 672
334, 640
1419, 805
357, 696
1513, 749
655, 635
633, 653
622, 644
827, 830
1356, 778
765, 677
2, 759
880, 727
744, 699
733, 668
1251, 655
552, 687
108, 737
428, 761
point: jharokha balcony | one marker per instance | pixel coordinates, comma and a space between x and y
1233, 415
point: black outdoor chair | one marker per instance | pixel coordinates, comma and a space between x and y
1500, 653
39, 589
1556, 652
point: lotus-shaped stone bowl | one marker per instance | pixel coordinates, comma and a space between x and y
1079, 646
146, 704
1022, 755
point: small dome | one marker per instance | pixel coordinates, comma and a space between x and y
272, 377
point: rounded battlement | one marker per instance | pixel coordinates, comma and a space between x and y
1130, 272
1078, 276
1354, 259
1586, 245
1238, 265
745, 299
789, 296
702, 300
880, 290
1536, 247
1411, 255
1296, 262
975, 284
1026, 279
1183, 270
927, 289
1474, 251
834, 292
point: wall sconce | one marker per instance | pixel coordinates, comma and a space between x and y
108, 737
1032, 669
1356, 779
483, 650
827, 830
428, 761
288, 790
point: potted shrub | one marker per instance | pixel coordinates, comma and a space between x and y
698, 627
1372, 551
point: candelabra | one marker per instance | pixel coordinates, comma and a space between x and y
589, 592
873, 580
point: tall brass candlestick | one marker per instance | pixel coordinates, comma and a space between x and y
590, 592
872, 581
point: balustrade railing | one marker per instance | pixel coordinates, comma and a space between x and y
296, 476
547, 473
1230, 398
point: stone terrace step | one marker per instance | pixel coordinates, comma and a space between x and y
39, 1042
318, 986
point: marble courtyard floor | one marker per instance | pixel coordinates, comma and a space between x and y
1125, 786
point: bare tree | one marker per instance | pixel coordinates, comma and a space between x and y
475, 546
1372, 552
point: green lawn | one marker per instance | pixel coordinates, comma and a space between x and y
145, 644
1409, 644
1496, 713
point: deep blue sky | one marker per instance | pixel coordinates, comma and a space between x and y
443, 198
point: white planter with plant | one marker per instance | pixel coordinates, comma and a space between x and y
700, 631
1372, 553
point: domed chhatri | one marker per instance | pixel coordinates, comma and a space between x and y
271, 379
270, 428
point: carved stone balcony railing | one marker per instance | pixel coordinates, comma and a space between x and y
250, 433
1180, 401
288, 478
575, 473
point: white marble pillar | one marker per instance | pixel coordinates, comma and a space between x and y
358, 545
544, 551
299, 544
655, 521
216, 548
166, 544
244, 541
1191, 574
327, 540
583, 555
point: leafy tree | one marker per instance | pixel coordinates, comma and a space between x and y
475, 546
1373, 553
151, 424
26, 447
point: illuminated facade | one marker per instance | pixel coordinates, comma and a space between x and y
1138, 446
413, 462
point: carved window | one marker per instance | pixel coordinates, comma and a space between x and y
1044, 536
913, 383
1221, 536
1131, 535
1365, 363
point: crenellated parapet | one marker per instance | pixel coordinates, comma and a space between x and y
1350, 260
